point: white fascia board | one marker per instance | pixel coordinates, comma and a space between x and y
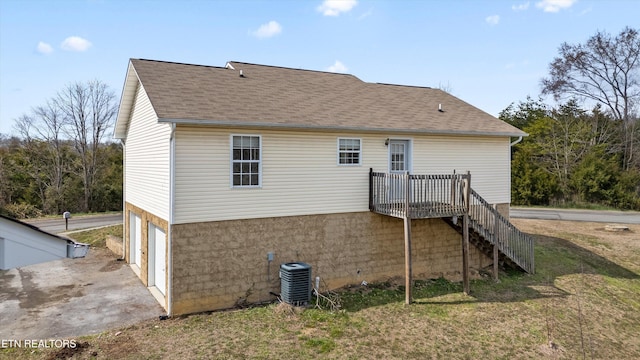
235, 123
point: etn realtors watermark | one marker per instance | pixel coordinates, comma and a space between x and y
33, 344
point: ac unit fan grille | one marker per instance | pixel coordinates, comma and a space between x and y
295, 283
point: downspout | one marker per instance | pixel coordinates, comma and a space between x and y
172, 185
124, 198
517, 141
510, 146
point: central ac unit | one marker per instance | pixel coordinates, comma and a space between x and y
295, 283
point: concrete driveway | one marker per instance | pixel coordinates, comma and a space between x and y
72, 297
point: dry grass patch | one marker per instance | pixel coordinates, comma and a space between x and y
584, 302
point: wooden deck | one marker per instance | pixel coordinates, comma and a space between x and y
417, 196
425, 210
409, 196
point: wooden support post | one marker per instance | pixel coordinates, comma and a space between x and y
371, 207
496, 245
465, 236
465, 254
407, 260
407, 243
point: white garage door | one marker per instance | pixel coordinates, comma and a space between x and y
157, 265
135, 239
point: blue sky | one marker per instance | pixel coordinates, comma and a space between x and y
488, 53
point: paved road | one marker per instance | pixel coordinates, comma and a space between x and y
76, 223
622, 217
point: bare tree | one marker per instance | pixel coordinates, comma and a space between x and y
605, 70
88, 110
42, 131
35, 166
445, 87
50, 130
561, 140
5, 194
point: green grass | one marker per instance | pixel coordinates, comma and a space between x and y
97, 237
582, 300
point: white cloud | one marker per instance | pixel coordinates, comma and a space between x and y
493, 19
335, 7
44, 48
521, 7
75, 43
272, 28
337, 67
555, 5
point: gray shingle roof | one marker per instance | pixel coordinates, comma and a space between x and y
273, 96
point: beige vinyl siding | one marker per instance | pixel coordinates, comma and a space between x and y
301, 175
487, 158
147, 159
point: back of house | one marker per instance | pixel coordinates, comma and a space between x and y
232, 171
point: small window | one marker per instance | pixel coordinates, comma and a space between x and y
245, 161
349, 151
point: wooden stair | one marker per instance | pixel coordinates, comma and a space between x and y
449, 197
483, 245
489, 228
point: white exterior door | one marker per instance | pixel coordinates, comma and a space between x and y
158, 263
135, 239
399, 163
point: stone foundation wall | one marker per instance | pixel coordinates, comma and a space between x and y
217, 265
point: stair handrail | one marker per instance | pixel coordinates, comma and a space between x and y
487, 221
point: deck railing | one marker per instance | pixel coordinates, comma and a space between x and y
436, 196
417, 196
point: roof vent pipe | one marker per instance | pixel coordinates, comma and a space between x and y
241, 74
440, 108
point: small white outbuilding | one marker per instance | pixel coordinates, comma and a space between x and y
22, 244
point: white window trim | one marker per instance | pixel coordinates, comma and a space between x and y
231, 164
338, 151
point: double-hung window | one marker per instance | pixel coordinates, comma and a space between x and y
246, 157
349, 151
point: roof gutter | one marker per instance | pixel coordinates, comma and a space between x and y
517, 141
235, 123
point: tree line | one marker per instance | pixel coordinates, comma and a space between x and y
63, 159
575, 154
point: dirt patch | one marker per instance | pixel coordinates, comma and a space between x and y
118, 345
69, 352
